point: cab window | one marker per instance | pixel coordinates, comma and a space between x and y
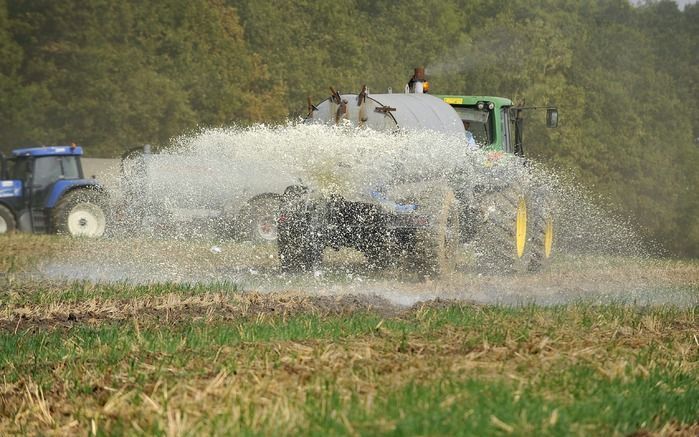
480, 121
49, 169
70, 167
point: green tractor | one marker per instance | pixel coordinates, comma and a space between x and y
524, 210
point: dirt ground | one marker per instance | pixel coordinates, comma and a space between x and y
173, 309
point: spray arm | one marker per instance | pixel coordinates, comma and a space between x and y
361, 97
335, 96
311, 108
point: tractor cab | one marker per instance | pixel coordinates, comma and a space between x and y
494, 122
488, 119
34, 183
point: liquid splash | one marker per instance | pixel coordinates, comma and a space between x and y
176, 206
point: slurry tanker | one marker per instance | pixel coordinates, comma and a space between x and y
426, 221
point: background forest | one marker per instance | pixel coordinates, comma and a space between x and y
111, 75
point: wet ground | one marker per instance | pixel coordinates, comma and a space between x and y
570, 278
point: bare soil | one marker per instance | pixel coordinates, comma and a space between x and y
173, 309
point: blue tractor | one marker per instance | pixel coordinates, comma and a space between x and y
43, 190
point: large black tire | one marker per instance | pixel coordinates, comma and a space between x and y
8, 224
298, 245
542, 239
503, 242
80, 213
261, 220
298, 252
298, 257
256, 221
379, 253
435, 250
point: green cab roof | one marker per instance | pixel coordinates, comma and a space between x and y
472, 100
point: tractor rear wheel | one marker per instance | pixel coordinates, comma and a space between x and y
7, 221
80, 213
541, 244
503, 243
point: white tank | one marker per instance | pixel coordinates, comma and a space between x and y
390, 112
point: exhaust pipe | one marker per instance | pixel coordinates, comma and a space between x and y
418, 83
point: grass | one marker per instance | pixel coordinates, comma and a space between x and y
174, 359
455, 370
56, 293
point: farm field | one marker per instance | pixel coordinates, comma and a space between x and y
173, 338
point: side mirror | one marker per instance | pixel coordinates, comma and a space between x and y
551, 117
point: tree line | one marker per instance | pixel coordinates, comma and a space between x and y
112, 75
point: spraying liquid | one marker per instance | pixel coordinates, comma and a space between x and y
187, 215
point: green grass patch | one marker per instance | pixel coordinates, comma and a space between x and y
48, 293
458, 370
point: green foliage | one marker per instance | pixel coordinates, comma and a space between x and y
119, 74
111, 75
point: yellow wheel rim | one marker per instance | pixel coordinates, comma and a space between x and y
548, 237
521, 227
